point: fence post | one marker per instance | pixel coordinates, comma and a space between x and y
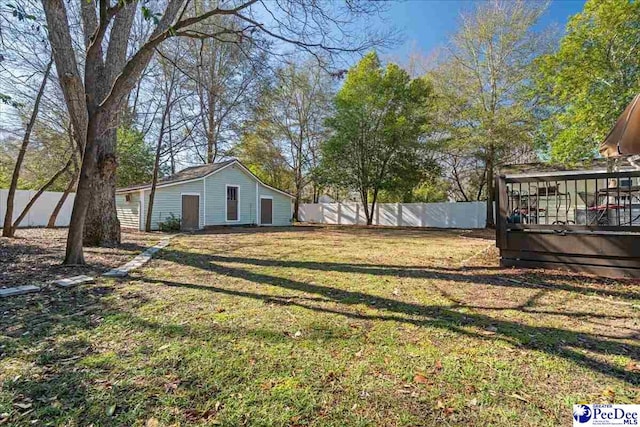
339, 210
501, 212
399, 214
357, 213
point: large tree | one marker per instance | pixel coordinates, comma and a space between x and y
480, 85
589, 80
225, 76
111, 68
292, 114
380, 114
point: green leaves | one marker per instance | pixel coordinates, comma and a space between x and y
589, 80
380, 115
148, 15
135, 158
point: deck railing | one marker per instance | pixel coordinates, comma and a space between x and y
535, 211
606, 201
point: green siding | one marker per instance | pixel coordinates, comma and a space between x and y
217, 196
235, 175
168, 200
281, 206
128, 212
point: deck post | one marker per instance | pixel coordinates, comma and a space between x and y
501, 212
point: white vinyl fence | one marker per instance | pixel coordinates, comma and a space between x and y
40, 212
436, 215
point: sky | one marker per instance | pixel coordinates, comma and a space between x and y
427, 24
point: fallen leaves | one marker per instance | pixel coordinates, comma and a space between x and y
171, 387
111, 410
608, 393
193, 415
420, 379
520, 398
23, 405
633, 366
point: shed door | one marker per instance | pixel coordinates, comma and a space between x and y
190, 212
232, 203
266, 211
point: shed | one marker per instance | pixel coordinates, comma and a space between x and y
224, 193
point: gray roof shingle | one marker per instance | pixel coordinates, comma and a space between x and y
187, 174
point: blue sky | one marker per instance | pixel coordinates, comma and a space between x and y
427, 24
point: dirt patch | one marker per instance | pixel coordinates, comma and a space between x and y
35, 256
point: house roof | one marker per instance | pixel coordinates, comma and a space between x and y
624, 138
194, 173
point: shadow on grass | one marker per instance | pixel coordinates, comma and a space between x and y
361, 230
51, 334
42, 329
441, 273
555, 341
24, 262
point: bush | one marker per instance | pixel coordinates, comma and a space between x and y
170, 223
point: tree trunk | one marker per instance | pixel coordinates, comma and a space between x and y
166, 116
74, 254
56, 211
373, 207
154, 182
76, 152
37, 195
8, 229
296, 206
364, 199
102, 227
490, 189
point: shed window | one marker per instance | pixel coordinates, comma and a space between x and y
232, 203
232, 193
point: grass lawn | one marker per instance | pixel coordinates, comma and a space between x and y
321, 326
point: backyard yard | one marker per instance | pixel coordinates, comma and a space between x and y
320, 326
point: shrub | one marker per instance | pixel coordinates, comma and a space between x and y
170, 223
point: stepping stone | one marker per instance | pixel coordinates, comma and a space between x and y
72, 281
138, 261
162, 244
19, 290
116, 272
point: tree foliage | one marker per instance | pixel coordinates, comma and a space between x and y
291, 115
135, 158
380, 113
589, 80
483, 111
265, 160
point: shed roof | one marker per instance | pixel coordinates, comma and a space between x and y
193, 173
